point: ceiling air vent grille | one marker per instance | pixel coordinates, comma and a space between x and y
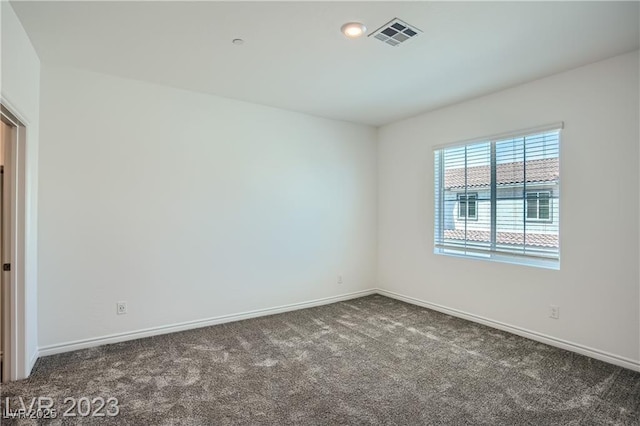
395, 32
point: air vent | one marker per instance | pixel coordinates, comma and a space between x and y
395, 32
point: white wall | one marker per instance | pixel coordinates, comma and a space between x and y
597, 287
20, 91
189, 206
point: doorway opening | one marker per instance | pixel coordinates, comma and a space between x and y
12, 136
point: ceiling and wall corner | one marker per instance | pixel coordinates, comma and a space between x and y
295, 57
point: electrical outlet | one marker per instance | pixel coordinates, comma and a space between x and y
554, 312
339, 279
121, 308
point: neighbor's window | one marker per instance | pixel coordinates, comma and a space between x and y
538, 205
467, 207
499, 198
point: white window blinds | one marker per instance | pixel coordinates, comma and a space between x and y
499, 198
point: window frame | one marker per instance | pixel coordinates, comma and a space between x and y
526, 259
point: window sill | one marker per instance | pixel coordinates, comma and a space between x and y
500, 257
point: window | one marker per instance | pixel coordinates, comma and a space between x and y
467, 206
498, 198
538, 205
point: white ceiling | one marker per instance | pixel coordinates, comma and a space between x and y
295, 57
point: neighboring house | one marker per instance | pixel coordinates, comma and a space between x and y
523, 209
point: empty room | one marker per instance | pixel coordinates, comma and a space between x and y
298, 212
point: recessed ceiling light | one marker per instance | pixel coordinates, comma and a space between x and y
237, 41
353, 29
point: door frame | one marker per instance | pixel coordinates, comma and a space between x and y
15, 363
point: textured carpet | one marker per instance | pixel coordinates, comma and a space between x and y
371, 360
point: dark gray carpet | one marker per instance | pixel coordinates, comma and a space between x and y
371, 360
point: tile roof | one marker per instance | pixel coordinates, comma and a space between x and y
546, 170
511, 238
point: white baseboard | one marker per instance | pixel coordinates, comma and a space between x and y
549, 340
188, 325
34, 357
154, 331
